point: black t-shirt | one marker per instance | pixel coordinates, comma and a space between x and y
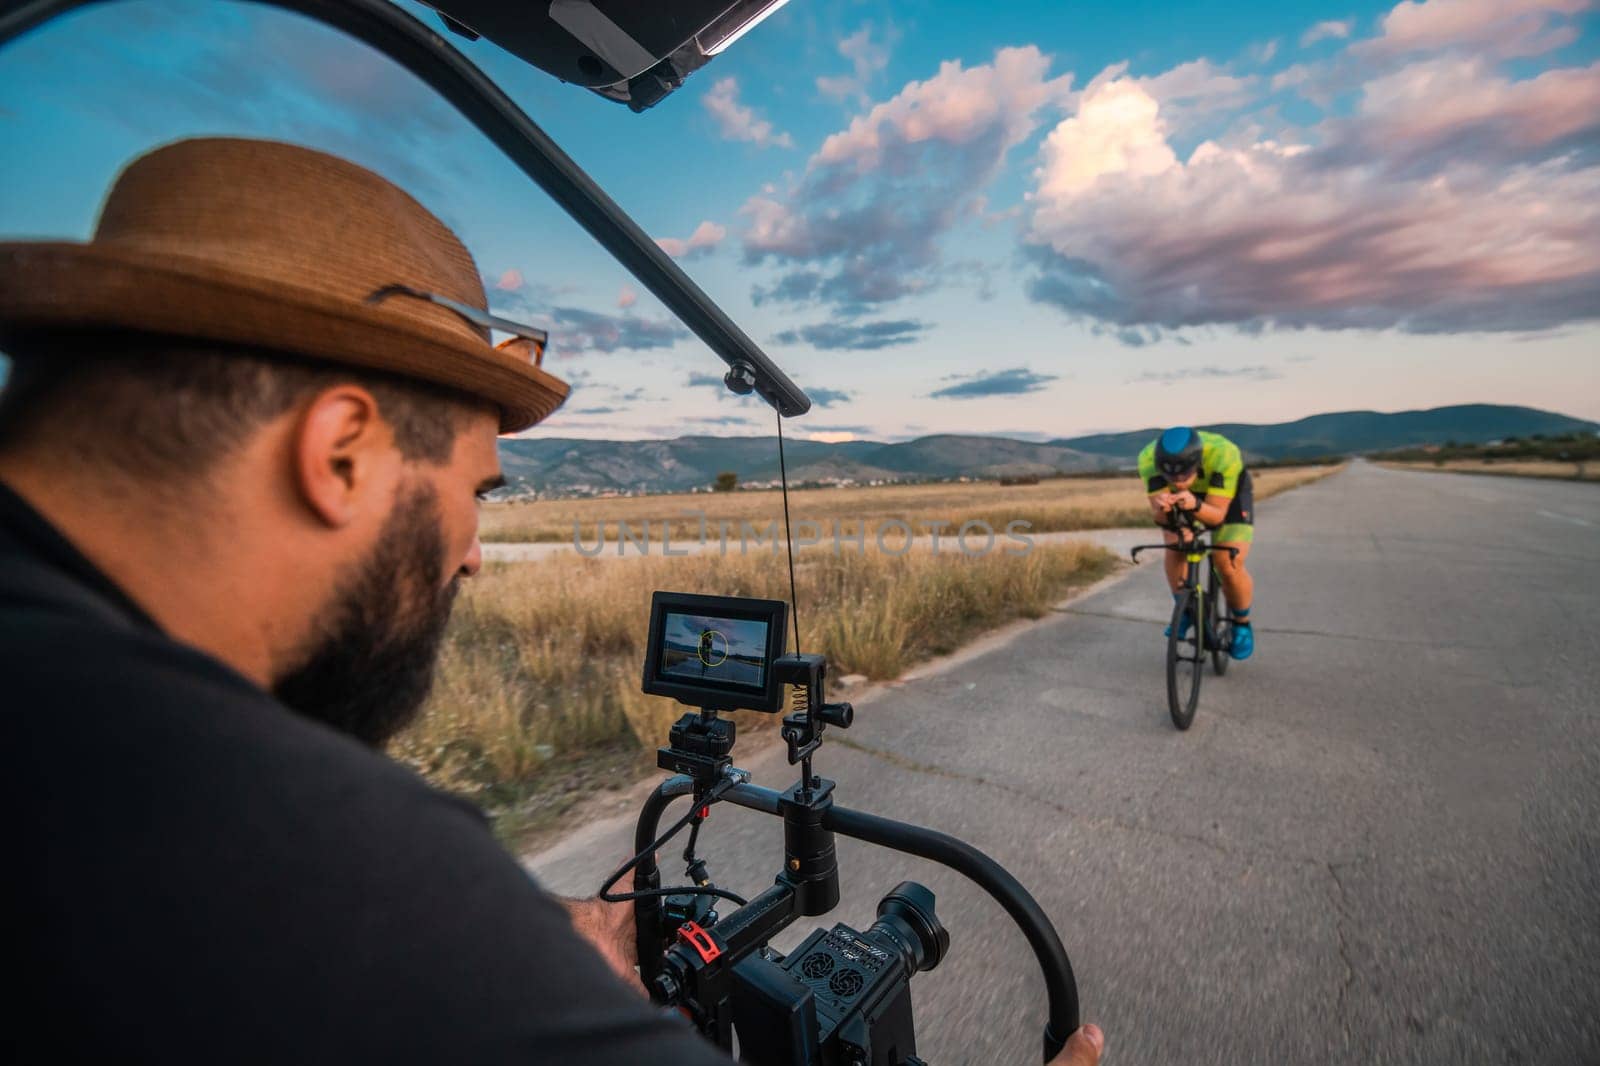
196, 874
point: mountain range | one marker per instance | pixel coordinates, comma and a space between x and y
556, 466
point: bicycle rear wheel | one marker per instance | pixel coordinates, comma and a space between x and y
1221, 627
1185, 660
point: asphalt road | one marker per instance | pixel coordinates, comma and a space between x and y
1378, 843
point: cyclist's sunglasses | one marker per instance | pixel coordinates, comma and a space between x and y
1176, 469
538, 338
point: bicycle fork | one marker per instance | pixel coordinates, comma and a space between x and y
1201, 637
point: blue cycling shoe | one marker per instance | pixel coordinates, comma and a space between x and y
1183, 627
1244, 641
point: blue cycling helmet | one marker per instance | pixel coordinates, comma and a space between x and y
1178, 451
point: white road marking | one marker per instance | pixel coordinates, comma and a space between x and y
1567, 518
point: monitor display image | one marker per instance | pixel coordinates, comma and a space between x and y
729, 651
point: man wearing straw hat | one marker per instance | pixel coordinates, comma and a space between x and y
240, 452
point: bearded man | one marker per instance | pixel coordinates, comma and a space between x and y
241, 448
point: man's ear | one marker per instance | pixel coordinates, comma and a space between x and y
343, 454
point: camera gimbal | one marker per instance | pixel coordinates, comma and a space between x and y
842, 996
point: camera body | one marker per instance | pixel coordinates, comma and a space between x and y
841, 998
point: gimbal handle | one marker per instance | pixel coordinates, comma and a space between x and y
1060, 985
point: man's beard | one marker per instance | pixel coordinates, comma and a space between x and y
370, 662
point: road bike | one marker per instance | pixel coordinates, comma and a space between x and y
1208, 633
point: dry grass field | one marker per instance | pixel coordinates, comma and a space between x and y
539, 677
1547, 468
537, 700
1051, 506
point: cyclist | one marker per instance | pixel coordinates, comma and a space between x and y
1194, 470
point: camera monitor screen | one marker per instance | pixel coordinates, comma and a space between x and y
715, 651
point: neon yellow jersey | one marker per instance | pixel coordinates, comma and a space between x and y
1221, 463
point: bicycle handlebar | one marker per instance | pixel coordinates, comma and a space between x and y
1178, 522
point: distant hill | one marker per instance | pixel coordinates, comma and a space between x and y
567, 466
556, 465
1354, 432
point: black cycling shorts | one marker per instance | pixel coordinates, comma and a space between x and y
1238, 524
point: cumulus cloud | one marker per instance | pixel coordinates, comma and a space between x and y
867, 59
1198, 85
1118, 131
1013, 382
1503, 28
862, 226
627, 298
736, 122
1451, 198
705, 238
1459, 108
1335, 29
956, 106
854, 336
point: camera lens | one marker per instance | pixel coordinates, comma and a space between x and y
906, 919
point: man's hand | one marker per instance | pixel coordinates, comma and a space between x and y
1083, 1048
609, 928
1161, 503
1184, 501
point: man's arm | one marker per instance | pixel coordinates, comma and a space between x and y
1212, 510
608, 928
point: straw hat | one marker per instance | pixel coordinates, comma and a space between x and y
278, 247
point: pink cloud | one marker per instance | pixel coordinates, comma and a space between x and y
1426, 105
627, 298
867, 59
1502, 27
736, 122
956, 106
862, 225
510, 281
1354, 233
706, 236
1331, 28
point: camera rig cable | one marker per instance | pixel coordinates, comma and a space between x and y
788, 536
696, 814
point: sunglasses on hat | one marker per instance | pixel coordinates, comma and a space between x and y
538, 338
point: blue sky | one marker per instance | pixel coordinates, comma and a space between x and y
1033, 219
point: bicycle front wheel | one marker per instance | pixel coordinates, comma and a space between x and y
1185, 660
1221, 627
